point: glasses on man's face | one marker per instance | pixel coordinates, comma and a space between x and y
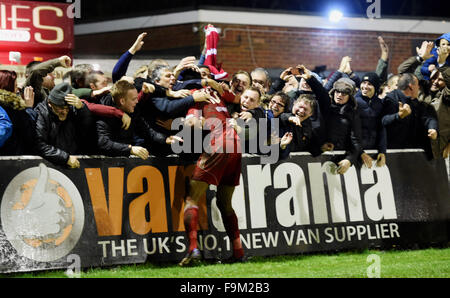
343, 92
281, 105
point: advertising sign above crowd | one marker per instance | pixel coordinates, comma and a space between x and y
34, 31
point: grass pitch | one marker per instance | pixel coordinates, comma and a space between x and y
426, 263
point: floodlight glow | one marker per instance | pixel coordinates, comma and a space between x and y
335, 16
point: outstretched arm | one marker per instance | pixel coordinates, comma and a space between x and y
120, 69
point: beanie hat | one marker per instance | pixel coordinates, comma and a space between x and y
58, 94
372, 78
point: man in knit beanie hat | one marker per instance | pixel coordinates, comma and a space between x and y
61, 121
370, 84
370, 108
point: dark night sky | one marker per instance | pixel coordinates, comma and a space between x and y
112, 9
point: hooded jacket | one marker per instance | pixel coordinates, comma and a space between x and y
433, 60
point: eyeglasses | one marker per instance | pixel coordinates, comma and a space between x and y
277, 103
344, 92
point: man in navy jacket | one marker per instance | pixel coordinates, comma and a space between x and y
408, 121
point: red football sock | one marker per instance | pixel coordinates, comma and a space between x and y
232, 228
190, 224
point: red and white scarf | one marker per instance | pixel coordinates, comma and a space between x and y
212, 39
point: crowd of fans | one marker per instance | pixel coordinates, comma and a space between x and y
87, 116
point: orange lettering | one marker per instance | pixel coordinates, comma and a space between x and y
108, 220
154, 197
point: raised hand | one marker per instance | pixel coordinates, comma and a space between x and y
65, 61
442, 55
345, 64
137, 46
424, 51
384, 48
304, 72
286, 74
28, 96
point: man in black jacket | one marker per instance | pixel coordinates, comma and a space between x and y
115, 140
408, 121
60, 122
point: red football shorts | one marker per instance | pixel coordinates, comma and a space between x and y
218, 168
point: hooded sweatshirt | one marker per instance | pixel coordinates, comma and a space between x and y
433, 60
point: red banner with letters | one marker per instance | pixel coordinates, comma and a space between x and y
31, 30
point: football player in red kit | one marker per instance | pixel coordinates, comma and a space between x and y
219, 164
